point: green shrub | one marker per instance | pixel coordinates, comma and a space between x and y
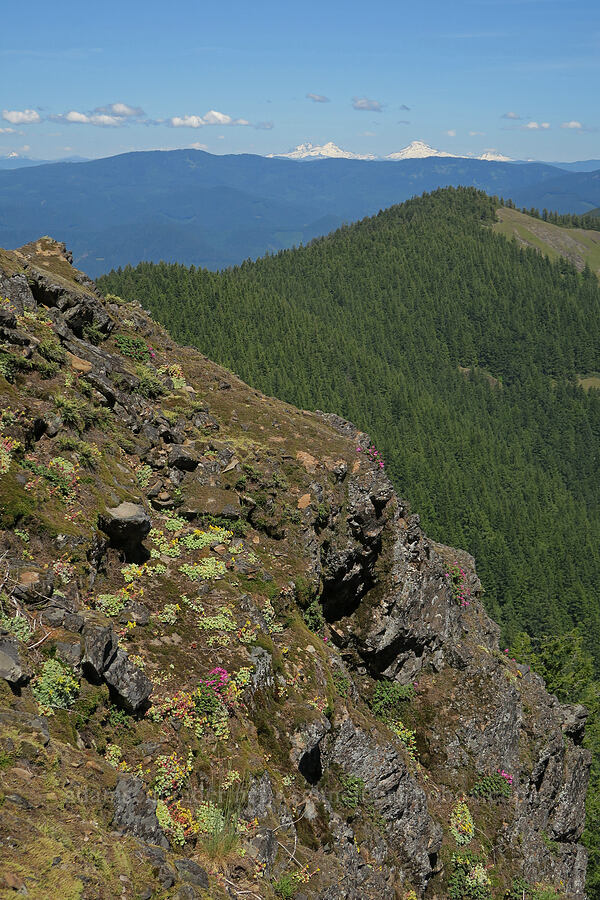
522, 889
492, 787
353, 789
93, 334
46, 369
134, 347
388, 699
10, 364
150, 386
76, 413
208, 569
17, 625
51, 350
88, 453
110, 604
341, 683
469, 879
314, 618
55, 687
286, 886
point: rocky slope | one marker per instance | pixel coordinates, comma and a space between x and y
232, 664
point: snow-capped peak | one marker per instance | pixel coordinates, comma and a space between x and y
494, 156
421, 150
323, 151
417, 150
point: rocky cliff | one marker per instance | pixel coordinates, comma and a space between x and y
232, 664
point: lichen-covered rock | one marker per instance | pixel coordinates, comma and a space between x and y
8, 318
306, 749
395, 793
260, 798
34, 586
191, 872
99, 648
135, 812
183, 458
129, 683
11, 668
126, 525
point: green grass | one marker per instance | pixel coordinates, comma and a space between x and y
591, 381
578, 245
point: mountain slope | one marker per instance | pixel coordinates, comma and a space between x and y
460, 352
192, 207
579, 245
226, 642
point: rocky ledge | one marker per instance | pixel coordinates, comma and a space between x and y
231, 662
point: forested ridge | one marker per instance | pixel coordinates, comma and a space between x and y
458, 351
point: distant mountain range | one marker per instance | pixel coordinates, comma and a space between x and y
414, 150
196, 208
15, 161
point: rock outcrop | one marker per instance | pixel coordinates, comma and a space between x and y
235, 645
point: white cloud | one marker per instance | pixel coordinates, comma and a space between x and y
511, 115
21, 116
103, 120
8, 131
111, 116
451, 132
265, 126
575, 125
75, 116
364, 104
476, 133
318, 98
100, 119
121, 109
536, 126
212, 117
187, 121
197, 146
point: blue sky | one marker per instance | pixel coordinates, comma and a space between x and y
519, 76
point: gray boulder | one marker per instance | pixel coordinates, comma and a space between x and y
191, 872
181, 457
135, 812
8, 318
126, 525
99, 649
186, 892
11, 669
306, 748
69, 652
130, 684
